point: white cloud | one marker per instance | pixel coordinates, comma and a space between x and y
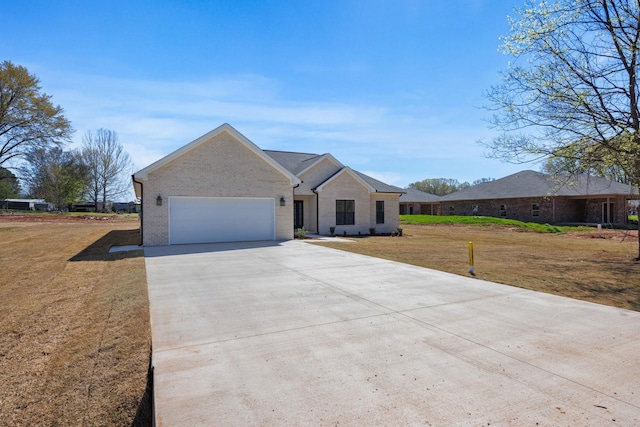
153, 118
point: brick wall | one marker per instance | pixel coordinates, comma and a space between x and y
221, 167
344, 187
316, 176
551, 209
391, 212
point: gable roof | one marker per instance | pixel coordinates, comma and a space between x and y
143, 173
343, 171
371, 184
299, 163
290, 164
536, 184
379, 186
416, 196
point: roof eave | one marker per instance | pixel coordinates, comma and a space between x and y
351, 172
143, 174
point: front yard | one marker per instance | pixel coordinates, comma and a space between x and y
75, 337
577, 264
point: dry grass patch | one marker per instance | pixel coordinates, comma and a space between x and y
577, 264
75, 336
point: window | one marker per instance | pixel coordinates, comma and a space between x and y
379, 212
535, 209
503, 210
345, 212
451, 208
474, 209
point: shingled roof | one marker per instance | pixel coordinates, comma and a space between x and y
294, 162
298, 162
416, 196
536, 184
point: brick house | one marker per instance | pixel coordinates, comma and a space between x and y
416, 202
536, 197
221, 187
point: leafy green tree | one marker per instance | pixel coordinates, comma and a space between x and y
59, 177
439, 186
9, 185
482, 181
572, 89
28, 119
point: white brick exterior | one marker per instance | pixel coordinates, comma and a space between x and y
220, 167
346, 187
316, 176
391, 212
223, 163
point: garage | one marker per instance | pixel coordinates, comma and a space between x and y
220, 219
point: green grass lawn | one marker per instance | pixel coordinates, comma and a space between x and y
486, 220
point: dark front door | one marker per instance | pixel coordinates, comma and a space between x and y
298, 214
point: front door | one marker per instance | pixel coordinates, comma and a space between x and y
298, 214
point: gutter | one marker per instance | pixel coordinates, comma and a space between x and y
293, 198
317, 210
133, 178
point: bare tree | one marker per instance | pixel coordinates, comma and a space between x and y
109, 166
28, 119
573, 90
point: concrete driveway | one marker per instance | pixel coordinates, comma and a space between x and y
288, 334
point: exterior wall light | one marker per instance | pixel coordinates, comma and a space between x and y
282, 201
159, 200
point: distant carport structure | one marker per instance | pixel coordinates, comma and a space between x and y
416, 202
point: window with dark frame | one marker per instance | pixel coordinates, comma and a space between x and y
451, 210
345, 212
535, 209
379, 211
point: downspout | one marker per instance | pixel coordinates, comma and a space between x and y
133, 178
317, 210
293, 202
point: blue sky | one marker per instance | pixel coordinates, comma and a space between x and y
391, 88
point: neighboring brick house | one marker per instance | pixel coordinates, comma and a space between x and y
222, 187
416, 202
536, 197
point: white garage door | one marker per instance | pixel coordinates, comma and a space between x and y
220, 219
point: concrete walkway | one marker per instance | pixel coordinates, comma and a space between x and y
289, 334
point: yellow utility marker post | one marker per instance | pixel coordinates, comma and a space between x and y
473, 273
